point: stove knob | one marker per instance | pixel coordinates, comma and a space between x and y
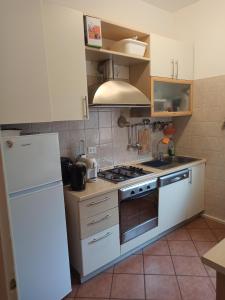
140, 190
132, 192
148, 187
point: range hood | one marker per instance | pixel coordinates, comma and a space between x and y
115, 93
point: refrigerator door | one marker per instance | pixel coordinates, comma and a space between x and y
31, 161
40, 244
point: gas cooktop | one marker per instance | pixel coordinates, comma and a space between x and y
121, 173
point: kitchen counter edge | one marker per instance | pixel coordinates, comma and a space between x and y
101, 186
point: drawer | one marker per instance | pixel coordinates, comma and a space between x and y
98, 223
97, 205
100, 249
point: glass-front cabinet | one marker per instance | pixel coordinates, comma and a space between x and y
170, 97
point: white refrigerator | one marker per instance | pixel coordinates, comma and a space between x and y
37, 216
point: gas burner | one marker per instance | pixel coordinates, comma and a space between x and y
121, 173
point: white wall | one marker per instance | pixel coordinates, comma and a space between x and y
131, 13
204, 23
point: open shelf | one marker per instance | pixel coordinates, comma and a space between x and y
96, 54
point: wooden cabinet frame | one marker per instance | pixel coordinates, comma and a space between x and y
176, 113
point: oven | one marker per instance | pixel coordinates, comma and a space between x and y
138, 209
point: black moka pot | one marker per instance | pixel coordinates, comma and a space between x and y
78, 173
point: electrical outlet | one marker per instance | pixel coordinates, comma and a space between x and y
92, 150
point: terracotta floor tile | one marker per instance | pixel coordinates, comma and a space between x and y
132, 264
75, 287
160, 265
138, 252
185, 265
219, 233
160, 287
214, 225
163, 238
185, 248
128, 286
210, 271
109, 270
179, 235
213, 279
196, 288
91, 298
158, 248
203, 247
98, 286
202, 235
198, 223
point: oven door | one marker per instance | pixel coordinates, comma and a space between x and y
138, 215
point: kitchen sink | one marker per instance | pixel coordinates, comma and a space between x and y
169, 162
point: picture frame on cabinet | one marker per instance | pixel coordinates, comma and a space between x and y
93, 32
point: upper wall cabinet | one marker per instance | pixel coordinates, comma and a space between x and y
24, 95
170, 97
43, 67
171, 58
65, 49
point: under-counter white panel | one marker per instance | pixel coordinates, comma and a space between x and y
100, 249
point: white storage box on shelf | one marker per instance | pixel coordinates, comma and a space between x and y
130, 46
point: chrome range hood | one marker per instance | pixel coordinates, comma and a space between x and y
115, 93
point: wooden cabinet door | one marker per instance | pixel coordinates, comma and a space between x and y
196, 183
65, 49
163, 56
184, 62
170, 97
24, 95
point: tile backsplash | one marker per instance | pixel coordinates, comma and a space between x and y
202, 135
100, 131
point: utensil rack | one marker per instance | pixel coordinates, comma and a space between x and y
156, 125
133, 140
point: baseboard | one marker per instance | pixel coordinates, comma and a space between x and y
213, 218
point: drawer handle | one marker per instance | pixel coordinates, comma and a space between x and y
98, 221
100, 238
98, 202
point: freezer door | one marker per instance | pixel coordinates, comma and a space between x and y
31, 161
40, 244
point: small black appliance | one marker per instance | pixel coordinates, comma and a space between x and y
78, 176
66, 164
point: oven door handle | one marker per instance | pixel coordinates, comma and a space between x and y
140, 195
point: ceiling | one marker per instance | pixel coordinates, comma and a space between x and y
171, 5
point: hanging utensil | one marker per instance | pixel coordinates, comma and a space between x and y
129, 146
144, 139
137, 145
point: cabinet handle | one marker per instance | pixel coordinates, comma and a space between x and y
98, 202
172, 62
85, 103
98, 221
190, 176
100, 238
176, 179
177, 68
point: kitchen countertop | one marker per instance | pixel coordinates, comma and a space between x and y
101, 186
215, 258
